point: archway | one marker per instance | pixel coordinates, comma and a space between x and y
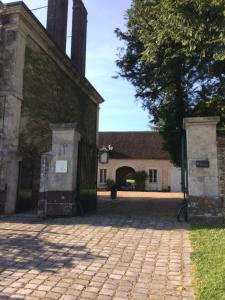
122, 175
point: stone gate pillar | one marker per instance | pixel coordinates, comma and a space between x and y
203, 188
12, 55
59, 173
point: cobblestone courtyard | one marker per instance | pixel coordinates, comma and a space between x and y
130, 249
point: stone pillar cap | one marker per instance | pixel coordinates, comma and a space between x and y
63, 126
66, 126
200, 121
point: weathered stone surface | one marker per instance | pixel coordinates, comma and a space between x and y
60, 209
55, 205
58, 189
2, 201
40, 86
201, 145
79, 36
60, 100
206, 209
221, 167
57, 21
116, 253
203, 183
12, 49
57, 91
61, 197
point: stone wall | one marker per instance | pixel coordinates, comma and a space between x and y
39, 86
221, 166
50, 96
12, 50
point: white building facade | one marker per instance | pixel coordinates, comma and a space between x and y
124, 153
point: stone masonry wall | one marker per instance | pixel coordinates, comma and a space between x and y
12, 46
50, 97
38, 86
221, 166
3, 62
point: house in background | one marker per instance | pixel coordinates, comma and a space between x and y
124, 153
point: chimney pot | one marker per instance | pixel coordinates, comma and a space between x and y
79, 36
57, 22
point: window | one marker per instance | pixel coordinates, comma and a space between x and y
103, 158
103, 175
153, 176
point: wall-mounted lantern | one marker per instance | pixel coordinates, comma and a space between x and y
104, 154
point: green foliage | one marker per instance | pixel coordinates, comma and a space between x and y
208, 258
140, 178
175, 58
111, 185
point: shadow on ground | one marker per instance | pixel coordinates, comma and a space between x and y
32, 251
122, 212
25, 238
146, 207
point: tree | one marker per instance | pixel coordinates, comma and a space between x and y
140, 178
175, 58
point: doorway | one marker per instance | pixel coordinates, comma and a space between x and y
125, 178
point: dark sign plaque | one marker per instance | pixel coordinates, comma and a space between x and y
202, 163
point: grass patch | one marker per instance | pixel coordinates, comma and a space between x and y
208, 259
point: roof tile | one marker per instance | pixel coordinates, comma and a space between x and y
134, 145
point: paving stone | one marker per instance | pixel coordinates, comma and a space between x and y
104, 297
24, 291
77, 286
59, 290
44, 288
115, 253
68, 297
40, 294
16, 296
31, 298
73, 292
89, 295
9, 290
53, 295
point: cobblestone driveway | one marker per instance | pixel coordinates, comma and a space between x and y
121, 252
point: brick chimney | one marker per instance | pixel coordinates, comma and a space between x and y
79, 36
57, 22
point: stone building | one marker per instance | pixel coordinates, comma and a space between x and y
39, 86
124, 153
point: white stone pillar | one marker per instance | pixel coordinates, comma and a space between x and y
203, 188
59, 173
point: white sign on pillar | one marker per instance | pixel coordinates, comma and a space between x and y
61, 166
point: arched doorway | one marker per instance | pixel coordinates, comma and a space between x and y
122, 175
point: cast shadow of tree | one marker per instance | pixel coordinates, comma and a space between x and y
29, 251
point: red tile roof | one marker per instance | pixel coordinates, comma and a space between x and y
134, 145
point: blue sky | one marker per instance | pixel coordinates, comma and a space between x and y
120, 112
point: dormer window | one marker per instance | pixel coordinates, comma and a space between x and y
104, 157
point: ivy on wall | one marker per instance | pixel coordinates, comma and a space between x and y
50, 96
